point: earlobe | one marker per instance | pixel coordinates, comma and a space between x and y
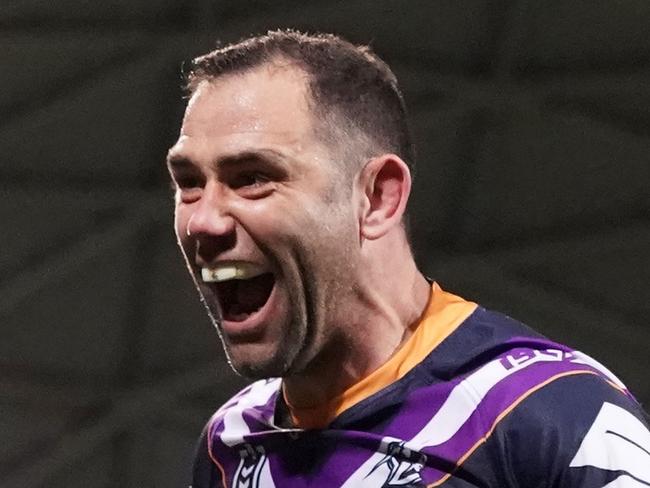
386, 184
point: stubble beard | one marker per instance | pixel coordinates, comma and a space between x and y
275, 362
302, 335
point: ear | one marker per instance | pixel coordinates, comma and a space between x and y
385, 183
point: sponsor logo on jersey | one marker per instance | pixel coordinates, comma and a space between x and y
527, 356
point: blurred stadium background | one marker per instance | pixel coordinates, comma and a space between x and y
532, 121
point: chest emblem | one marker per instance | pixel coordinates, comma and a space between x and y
248, 473
402, 466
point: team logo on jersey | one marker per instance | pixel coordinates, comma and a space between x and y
248, 472
403, 466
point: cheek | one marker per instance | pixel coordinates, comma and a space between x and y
269, 218
279, 222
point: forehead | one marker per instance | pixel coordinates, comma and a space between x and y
268, 102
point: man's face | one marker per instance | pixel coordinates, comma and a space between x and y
264, 219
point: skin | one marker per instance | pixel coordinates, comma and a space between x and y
255, 184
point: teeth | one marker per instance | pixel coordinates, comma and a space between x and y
239, 271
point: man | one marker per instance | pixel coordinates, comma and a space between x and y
292, 178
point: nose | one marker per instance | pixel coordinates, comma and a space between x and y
210, 226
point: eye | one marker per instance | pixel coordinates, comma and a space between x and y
185, 182
253, 185
248, 180
187, 187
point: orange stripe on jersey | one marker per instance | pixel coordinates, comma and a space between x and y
442, 316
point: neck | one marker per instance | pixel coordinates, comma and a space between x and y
379, 317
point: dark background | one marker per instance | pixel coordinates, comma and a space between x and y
532, 121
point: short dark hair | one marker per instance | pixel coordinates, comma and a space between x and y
353, 94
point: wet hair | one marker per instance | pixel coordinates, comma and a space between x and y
353, 95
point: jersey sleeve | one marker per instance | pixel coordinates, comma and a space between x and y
204, 472
578, 432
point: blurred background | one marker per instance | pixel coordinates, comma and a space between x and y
532, 123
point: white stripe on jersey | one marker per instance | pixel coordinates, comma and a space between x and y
617, 441
266, 480
625, 482
234, 426
460, 404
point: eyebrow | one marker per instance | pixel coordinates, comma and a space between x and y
179, 162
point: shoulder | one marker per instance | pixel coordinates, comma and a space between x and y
569, 405
230, 425
578, 430
541, 414
205, 473
253, 396
249, 411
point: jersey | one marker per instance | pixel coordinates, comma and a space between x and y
472, 399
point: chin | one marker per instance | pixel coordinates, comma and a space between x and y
258, 371
257, 366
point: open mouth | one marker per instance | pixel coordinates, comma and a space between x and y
240, 298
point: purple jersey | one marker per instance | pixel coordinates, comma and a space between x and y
486, 402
